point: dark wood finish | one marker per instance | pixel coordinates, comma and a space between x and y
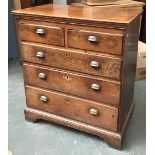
72, 107
75, 60
143, 23
41, 2
30, 3
53, 35
68, 76
73, 83
107, 43
129, 68
143, 27
26, 3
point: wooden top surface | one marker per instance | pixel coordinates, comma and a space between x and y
122, 15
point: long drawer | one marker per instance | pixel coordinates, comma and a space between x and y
41, 34
95, 41
101, 65
72, 83
72, 107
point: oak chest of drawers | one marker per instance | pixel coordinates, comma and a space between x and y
79, 66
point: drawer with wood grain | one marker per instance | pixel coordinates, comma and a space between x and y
101, 65
95, 41
82, 85
41, 34
72, 107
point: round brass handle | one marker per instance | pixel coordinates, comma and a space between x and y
40, 54
94, 112
95, 86
93, 38
40, 31
44, 98
94, 64
42, 75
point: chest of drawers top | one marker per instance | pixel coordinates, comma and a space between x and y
110, 16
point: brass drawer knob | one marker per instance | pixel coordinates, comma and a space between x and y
95, 86
94, 112
95, 64
40, 31
44, 98
93, 39
40, 54
42, 75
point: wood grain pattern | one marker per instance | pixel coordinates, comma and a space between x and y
72, 107
64, 25
73, 83
114, 139
111, 15
108, 43
72, 59
53, 35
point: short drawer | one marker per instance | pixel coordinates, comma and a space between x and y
102, 42
72, 83
105, 66
41, 34
72, 107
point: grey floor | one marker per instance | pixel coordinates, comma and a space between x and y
45, 138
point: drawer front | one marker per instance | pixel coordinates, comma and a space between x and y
72, 107
76, 61
71, 83
102, 42
41, 34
